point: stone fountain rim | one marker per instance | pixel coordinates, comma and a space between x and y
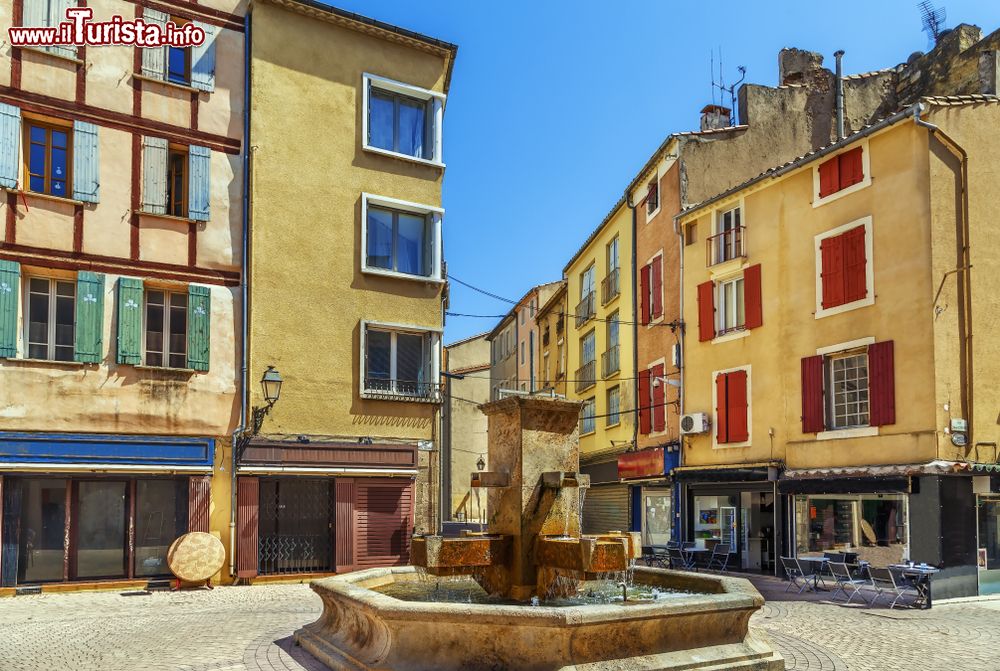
738, 595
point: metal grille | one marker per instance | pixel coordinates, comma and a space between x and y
296, 526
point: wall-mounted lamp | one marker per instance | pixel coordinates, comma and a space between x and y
270, 384
480, 463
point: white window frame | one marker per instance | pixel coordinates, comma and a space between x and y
436, 217
435, 362
653, 321
659, 197
51, 335
167, 292
864, 183
869, 298
721, 309
717, 216
436, 102
716, 445
855, 432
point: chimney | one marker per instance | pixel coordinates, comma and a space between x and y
839, 98
714, 116
989, 71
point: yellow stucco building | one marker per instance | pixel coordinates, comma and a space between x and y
600, 368
347, 285
836, 399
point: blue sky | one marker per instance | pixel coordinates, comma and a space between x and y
555, 105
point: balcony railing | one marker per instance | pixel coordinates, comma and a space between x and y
585, 310
610, 287
726, 246
586, 376
402, 390
610, 362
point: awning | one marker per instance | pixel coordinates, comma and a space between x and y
938, 467
754, 472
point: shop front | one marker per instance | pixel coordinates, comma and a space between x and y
737, 507
648, 474
323, 507
987, 490
81, 508
607, 503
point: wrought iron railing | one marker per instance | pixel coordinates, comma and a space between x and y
586, 375
585, 310
404, 390
725, 246
610, 363
610, 287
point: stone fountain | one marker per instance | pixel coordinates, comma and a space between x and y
533, 553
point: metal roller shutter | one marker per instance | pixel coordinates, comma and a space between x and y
247, 529
384, 514
606, 508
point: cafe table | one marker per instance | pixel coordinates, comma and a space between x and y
921, 575
823, 563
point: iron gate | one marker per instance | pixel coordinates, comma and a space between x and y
296, 525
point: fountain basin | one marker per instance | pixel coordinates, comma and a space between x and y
363, 630
587, 555
459, 556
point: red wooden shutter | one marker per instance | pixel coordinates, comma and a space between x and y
737, 406
644, 280
829, 177
721, 410
384, 510
812, 394
659, 410
644, 402
752, 306
657, 287
855, 265
832, 253
882, 384
851, 168
706, 311
247, 526
199, 501
344, 526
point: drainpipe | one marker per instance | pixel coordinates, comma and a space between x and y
839, 55
244, 321
680, 498
964, 264
635, 327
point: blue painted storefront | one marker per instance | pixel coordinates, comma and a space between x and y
116, 449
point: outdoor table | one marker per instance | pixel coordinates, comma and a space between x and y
921, 575
698, 555
824, 563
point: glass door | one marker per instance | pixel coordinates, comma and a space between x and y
100, 528
41, 549
989, 545
656, 516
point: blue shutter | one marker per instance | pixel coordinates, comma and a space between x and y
10, 276
154, 60
57, 15
203, 60
198, 182
10, 143
154, 175
86, 177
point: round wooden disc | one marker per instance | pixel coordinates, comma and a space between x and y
196, 556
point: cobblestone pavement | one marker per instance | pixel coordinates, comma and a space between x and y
249, 629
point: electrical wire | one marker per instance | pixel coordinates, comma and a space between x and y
627, 411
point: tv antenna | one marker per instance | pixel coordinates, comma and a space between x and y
933, 19
726, 90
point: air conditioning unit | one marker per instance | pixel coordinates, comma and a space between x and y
696, 422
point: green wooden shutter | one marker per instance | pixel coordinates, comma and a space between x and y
199, 327
88, 345
129, 321
10, 276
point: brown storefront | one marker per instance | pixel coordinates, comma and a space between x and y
324, 507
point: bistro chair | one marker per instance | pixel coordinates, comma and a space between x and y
891, 584
719, 559
796, 578
656, 555
680, 560
846, 583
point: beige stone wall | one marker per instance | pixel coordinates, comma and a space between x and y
465, 425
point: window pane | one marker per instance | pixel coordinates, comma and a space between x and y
100, 551
380, 120
613, 330
59, 139
64, 320
739, 302
177, 65
588, 348
43, 528
410, 244
161, 511
379, 353
411, 128
36, 160
36, 184
59, 174
38, 316
379, 238
409, 359
176, 178
154, 328
38, 134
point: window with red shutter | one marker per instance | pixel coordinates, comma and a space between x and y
644, 284
881, 384
829, 177
645, 415
737, 406
659, 409
753, 308
706, 311
855, 265
832, 252
721, 410
851, 168
812, 394
656, 282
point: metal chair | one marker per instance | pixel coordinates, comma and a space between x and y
891, 584
796, 578
719, 559
846, 583
655, 555
680, 560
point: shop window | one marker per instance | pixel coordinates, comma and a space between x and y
161, 516
100, 528
50, 319
656, 516
296, 522
40, 549
871, 525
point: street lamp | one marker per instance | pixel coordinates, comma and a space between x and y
480, 463
271, 384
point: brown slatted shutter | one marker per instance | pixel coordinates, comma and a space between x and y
385, 522
812, 394
644, 281
752, 300
882, 383
344, 524
659, 409
199, 502
645, 422
656, 281
706, 311
247, 526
